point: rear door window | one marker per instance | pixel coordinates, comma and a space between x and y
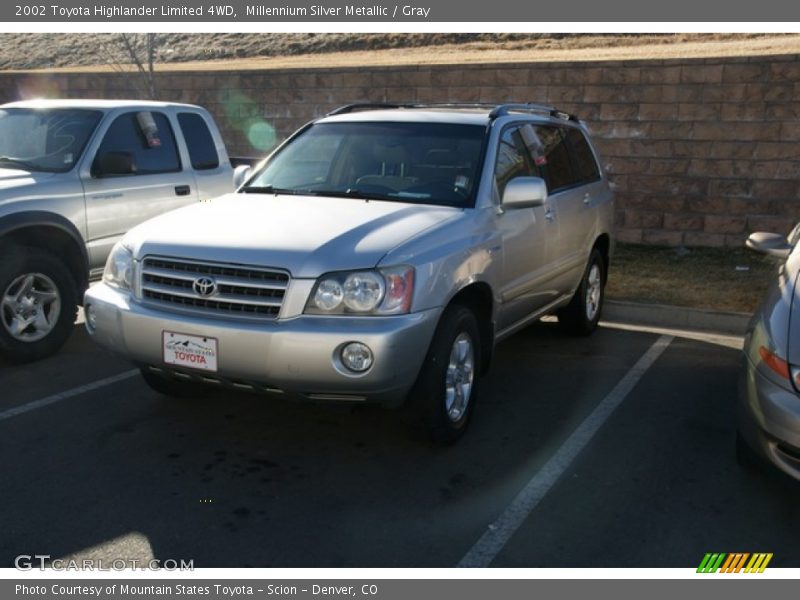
585, 166
552, 154
202, 149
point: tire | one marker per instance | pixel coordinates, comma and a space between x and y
173, 388
438, 405
38, 304
581, 316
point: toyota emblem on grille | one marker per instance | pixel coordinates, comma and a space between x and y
204, 286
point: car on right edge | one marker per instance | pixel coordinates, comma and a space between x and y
768, 412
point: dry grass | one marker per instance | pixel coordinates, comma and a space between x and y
222, 51
696, 277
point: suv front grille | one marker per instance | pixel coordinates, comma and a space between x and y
241, 291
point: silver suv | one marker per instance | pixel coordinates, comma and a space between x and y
378, 255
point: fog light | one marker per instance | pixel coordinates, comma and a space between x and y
90, 318
356, 357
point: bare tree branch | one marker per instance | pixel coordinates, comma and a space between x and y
126, 50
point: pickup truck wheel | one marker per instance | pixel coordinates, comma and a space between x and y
38, 305
443, 397
582, 314
174, 388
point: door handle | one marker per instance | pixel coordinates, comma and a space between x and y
587, 198
548, 214
182, 190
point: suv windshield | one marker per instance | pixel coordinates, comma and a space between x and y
44, 139
430, 163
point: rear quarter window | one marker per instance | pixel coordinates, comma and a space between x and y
202, 149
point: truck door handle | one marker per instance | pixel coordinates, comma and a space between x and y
586, 198
182, 190
548, 214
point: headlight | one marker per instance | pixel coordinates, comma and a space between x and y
363, 291
119, 268
378, 292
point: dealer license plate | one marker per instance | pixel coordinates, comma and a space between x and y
193, 351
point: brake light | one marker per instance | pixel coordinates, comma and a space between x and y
774, 362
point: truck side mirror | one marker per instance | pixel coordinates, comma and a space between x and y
773, 244
240, 175
525, 192
113, 163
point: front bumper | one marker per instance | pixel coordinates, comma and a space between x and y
295, 356
769, 419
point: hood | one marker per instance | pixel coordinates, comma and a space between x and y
306, 235
15, 182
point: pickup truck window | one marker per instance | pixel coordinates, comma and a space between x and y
50, 140
202, 150
153, 151
425, 163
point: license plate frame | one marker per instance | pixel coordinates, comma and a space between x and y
186, 350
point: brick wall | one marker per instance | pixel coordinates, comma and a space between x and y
700, 152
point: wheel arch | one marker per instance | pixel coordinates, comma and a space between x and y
53, 233
603, 245
478, 298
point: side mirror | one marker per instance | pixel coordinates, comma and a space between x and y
773, 244
525, 192
240, 175
113, 163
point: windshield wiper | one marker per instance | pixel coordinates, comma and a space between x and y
266, 189
351, 193
18, 161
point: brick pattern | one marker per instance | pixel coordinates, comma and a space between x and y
700, 152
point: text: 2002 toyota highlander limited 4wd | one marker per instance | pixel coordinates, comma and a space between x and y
377, 255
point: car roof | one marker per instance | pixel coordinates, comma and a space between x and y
43, 103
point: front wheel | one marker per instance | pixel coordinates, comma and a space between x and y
38, 304
582, 314
444, 395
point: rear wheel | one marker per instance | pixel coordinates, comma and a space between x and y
443, 398
174, 388
38, 304
582, 314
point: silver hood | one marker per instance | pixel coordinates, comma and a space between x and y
17, 184
306, 235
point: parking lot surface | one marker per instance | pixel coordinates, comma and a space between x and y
97, 465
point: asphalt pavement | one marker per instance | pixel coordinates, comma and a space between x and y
609, 451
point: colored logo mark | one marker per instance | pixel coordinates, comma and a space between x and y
737, 562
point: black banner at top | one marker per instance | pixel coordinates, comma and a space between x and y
435, 11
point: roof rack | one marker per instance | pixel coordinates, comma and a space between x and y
498, 110
503, 109
348, 108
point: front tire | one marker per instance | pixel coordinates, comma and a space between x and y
38, 304
581, 316
443, 398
